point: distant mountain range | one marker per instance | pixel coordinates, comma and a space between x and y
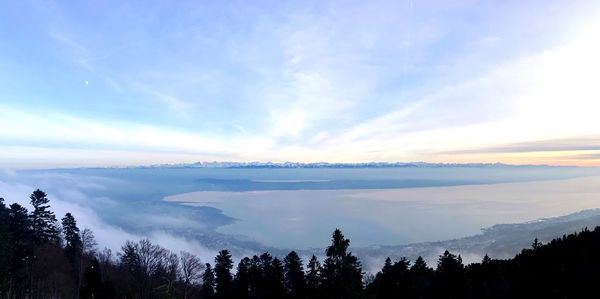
331, 165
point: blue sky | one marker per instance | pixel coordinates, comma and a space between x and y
115, 83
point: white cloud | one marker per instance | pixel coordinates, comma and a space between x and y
548, 95
71, 199
326, 82
66, 137
106, 235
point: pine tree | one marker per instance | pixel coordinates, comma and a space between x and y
43, 221
383, 283
241, 282
256, 276
536, 244
449, 263
342, 272
19, 225
130, 258
486, 260
294, 276
130, 263
274, 278
223, 278
450, 276
71, 236
393, 281
387, 265
420, 266
208, 282
23, 242
313, 277
5, 246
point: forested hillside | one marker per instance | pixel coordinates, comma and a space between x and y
44, 257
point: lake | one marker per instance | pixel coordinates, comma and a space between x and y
299, 207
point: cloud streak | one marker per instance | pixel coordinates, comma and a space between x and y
591, 143
315, 81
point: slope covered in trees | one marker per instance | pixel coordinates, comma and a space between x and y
42, 258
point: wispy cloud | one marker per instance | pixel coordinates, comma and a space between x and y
314, 81
594, 156
589, 143
173, 104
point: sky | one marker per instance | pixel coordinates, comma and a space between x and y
115, 83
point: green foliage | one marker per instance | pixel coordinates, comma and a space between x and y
313, 277
223, 277
450, 276
567, 267
241, 283
208, 282
43, 221
19, 225
71, 236
6, 248
130, 259
342, 273
273, 276
295, 283
393, 281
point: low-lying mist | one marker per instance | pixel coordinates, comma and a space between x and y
385, 212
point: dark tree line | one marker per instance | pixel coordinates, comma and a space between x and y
41, 257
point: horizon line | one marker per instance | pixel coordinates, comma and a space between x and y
292, 164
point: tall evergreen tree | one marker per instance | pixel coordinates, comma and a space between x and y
19, 226
23, 242
241, 282
208, 282
223, 277
486, 260
43, 221
130, 258
294, 276
72, 239
131, 265
393, 281
450, 276
420, 266
381, 286
536, 244
256, 276
5, 246
313, 277
422, 276
342, 272
274, 279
